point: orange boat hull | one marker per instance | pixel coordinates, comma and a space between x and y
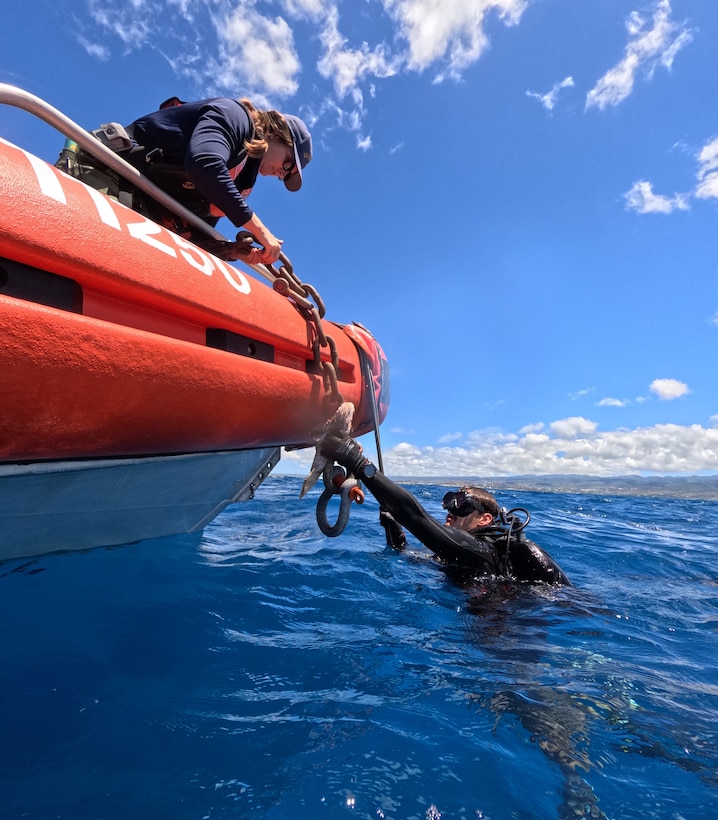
120, 338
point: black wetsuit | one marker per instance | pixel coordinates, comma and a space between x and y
484, 551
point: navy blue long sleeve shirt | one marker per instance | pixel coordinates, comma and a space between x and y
207, 139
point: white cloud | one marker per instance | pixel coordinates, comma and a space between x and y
449, 437
258, 51
649, 45
572, 445
492, 433
450, 30
548, 100
608, 402
643, 200
96, 50
574, 426
708, 156
305, 8
239, 47
667, 389
531, 428
714, 319
708, 171
708, 187
351, 120
218, 45
131, 23
587, 391
346, 67
666, 448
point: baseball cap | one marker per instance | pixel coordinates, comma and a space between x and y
302, 141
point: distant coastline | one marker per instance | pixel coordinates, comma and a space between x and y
697, 487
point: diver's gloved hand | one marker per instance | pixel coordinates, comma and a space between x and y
394, 533
344, 451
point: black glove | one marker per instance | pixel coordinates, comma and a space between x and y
394, 533
344, 451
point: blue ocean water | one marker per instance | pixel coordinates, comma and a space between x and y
265, 671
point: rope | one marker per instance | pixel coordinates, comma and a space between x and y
394, 533
368, 376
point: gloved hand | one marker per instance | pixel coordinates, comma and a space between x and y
344, 451
394, 533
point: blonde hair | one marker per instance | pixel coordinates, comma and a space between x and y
267, 124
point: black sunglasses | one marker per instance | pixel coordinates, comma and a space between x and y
460, 504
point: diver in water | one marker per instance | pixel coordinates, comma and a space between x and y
477, 535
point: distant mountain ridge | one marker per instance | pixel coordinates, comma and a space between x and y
695, 486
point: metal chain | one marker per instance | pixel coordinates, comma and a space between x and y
285, 281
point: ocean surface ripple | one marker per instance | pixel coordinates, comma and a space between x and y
262, 670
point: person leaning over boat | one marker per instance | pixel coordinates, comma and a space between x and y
207, 155
473, 537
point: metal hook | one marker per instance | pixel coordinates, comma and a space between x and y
336, 482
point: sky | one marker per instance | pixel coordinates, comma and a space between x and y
519, 198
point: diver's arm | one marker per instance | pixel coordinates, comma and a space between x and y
451, 545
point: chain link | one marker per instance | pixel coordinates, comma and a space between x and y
311, 305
